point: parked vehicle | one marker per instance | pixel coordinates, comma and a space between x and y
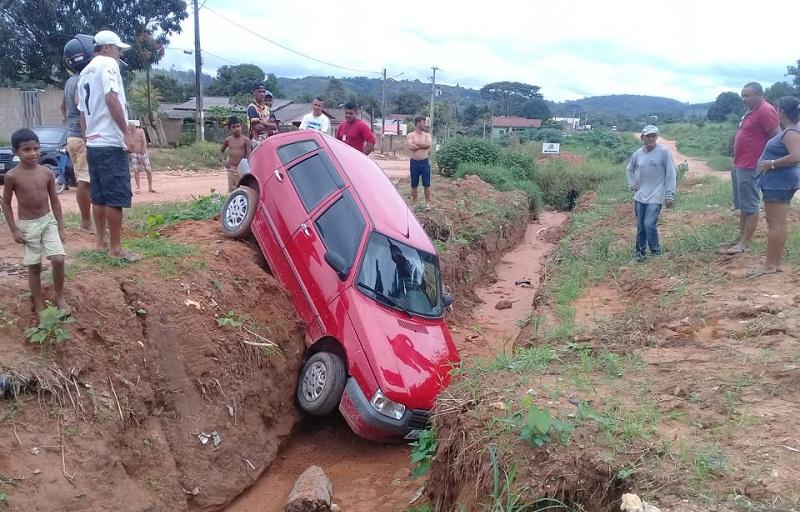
53, 143
363, 276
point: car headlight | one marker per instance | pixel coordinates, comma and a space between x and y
386, 407
15, 159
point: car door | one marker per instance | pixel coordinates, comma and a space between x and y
296, 188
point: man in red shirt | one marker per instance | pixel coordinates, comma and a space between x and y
758, 125
355, 132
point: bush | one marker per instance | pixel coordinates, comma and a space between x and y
522, 165
465, 149
562, 184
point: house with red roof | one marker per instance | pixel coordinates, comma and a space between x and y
506, 125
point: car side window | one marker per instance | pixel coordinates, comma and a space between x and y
315, 178
341, 227
294, 150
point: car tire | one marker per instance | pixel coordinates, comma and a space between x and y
321, 384
238, 212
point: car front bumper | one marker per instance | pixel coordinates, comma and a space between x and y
368, 423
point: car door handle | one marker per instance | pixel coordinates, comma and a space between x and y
278, 174
305, 230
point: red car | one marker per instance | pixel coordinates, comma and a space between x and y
363, 276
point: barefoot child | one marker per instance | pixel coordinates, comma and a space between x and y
138, 158
238, 147
39, 229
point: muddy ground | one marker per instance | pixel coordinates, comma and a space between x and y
196, 339
679, 375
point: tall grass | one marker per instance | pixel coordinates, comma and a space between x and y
703, 140
200, 155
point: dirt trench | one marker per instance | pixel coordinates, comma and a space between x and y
369, 476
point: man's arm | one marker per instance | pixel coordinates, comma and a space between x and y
410, 144
304, 123
222, 150
118, 115
631, 171
671, 179
425, 143
326, 124
63, 108
369, 139
8, 189
55, 204
247, 148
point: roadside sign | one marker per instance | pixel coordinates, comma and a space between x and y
551, 148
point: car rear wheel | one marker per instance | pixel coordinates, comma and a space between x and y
321, 384
238, 212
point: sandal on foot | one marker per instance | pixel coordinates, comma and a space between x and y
758, 272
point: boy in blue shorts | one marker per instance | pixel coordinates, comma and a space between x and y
419, 144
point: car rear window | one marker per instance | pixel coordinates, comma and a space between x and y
341, 227
291, 151
315, 178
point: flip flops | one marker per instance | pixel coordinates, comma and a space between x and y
758, 272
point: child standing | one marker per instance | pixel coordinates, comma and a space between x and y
39, 229
138, 158
238, 147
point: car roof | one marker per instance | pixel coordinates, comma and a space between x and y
374, 190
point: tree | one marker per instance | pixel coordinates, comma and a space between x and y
335, 93
509, 95
794, 71
137, 97
727, 103
410, 102
535, 108
473, 113
778, 90
172, 91
233, 80
33, 33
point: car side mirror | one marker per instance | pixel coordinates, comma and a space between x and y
337, 263
447, 300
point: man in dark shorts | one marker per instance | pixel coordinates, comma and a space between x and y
419, 144
758, 125
102, 106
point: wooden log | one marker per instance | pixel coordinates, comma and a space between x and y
312, 492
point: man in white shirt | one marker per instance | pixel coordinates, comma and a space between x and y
102, 106
316, 120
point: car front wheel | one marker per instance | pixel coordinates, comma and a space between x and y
238, 212
321, 384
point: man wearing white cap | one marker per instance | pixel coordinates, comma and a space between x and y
102, 106
651, 173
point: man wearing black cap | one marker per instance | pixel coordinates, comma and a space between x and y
259, 113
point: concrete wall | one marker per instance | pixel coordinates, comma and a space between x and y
11, 118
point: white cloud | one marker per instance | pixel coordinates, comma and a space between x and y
687, 50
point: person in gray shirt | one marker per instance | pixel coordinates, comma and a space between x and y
651, 174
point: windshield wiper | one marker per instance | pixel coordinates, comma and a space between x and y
384, 298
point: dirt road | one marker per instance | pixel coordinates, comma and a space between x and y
696, 167
370, 476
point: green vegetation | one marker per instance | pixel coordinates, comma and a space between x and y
422, 452
145, 216
537, 427
603, 145
464, 149
230, 319
710, 141
200, 155
51, 329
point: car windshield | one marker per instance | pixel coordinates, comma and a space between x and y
49, 136
408, 277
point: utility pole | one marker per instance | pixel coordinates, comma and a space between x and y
383, 112
433, 93
198, 71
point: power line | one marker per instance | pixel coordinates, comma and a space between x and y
260, 36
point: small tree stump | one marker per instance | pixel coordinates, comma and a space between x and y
312, 492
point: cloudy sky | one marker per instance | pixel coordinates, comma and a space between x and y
686, 50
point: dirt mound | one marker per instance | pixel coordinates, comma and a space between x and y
151, 404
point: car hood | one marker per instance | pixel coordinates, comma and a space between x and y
411, 358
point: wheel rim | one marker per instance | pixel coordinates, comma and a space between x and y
236, 211
314, 382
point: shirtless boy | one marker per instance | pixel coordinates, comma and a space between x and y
238, 147
419, 144
38, 229
138, 158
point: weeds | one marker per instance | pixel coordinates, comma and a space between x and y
537, 427
229, 319
164, 214
504, 499
200, 155
51, 329
422, 452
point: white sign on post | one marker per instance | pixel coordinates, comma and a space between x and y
551, 148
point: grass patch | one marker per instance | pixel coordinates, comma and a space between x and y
720, 162
703, 140
200, 155
201, 208
707, 194
172, 257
